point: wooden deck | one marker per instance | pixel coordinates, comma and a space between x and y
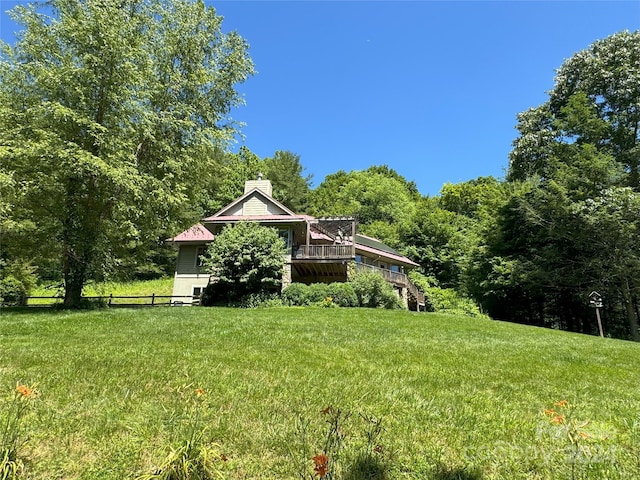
324, 252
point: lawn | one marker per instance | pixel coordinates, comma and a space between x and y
457, 398
142, 288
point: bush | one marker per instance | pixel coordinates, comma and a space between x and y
17, 279
12, 291
245, 258
448, 300
318, 292
261, 299
296, 294
373, 291
342, 294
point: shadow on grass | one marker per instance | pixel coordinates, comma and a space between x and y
366, 467
443, 472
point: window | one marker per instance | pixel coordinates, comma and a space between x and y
284, 235
358, 258
199, 253
197, 291
395, 268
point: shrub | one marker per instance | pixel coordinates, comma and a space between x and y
12, 291
448, 300
17, 279
318, 292
373, 291
296, 294
245, 258
260, 299
342, 294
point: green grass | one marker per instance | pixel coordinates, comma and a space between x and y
459, 398
161, 286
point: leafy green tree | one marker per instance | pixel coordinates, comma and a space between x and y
379, 197
109, 115
233, 170
567, 228
594, 101
290, 187
245, 258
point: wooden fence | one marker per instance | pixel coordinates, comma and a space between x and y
152, 300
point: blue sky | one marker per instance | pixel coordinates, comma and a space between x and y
430, 88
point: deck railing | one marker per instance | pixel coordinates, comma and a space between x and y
396, 278
320, 252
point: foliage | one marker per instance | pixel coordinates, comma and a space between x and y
246, 258
447, 300
17, 280
379, 197
104, 105
194, 458
373, 291
296, 294
342, 294
12, 434
594, 102
333, 294
564, 225
290, 187
317, 292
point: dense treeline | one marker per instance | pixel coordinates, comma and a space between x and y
94, 178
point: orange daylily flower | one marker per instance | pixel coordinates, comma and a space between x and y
558, 420
199, 392
24, 390
550, 412
321, 463
561, 403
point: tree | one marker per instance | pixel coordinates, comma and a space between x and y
245, 258
572, 229
379, 197
290, 187
594, 101
109, 115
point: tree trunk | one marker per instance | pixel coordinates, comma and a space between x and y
73, 282
631, 311
77, 238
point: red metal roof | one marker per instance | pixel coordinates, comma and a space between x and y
197, 233
384, 254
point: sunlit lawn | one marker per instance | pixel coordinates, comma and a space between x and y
144, 288
458, 397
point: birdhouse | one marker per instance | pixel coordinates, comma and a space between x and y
595, 299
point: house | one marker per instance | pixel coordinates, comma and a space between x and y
318, 249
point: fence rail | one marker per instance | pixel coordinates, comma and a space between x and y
152, 300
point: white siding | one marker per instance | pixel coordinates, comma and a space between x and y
254, 206
273, 209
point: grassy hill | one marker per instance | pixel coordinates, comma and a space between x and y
414, 396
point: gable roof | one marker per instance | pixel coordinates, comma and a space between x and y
241, 199
197, 233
